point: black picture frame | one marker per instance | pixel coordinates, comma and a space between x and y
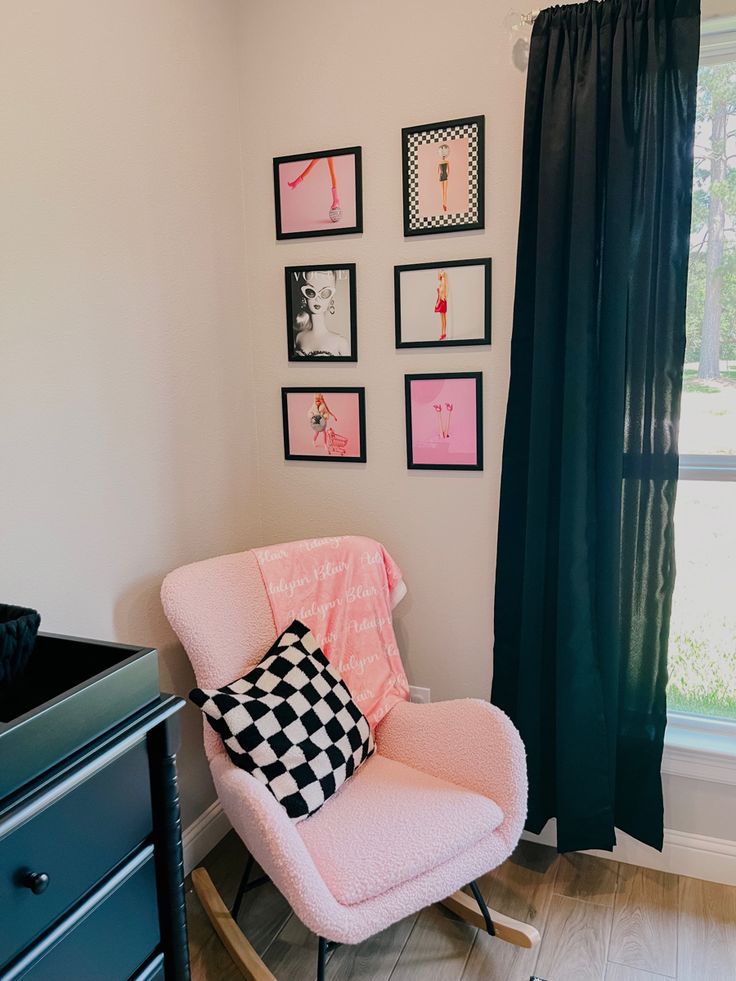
478, 377
411, 138
310, 389
357, 228
289, 271
453, 342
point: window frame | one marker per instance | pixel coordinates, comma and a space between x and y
699, 746
717, 40
707, 466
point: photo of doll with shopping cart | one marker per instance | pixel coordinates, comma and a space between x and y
324, 424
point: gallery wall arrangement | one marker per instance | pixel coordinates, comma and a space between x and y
437, 304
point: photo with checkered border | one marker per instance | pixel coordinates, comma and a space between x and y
291, 723
414, 140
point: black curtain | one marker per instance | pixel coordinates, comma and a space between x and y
585, 567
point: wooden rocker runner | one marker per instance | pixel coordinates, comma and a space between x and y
440, 803
224, 922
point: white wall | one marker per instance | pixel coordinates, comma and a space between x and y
124, 356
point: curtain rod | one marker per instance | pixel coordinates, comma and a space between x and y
714, 24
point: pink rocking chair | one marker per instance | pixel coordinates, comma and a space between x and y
440, 803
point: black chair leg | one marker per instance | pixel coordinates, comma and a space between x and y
246, 886
321, 958
325, 946
483, 908
241, 888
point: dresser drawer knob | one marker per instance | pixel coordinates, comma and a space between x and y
37, 882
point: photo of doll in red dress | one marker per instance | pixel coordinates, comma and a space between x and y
441, 304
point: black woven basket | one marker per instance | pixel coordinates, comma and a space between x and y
18, 629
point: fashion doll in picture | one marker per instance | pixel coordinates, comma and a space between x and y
335, 211
313, 337
440, 306
443, 173
319, 414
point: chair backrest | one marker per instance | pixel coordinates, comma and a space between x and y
223, 611
220, 612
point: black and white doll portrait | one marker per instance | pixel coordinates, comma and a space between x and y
320, 313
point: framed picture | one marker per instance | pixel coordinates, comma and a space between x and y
320, 313
444, 421
444, 171
324, 424
318, 193
443, 304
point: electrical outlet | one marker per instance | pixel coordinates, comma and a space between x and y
420, 695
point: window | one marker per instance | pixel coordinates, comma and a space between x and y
702, 655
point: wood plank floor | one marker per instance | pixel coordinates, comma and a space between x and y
599, 920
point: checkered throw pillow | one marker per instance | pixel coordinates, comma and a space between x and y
291, 723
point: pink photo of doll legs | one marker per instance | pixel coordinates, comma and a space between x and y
318, 193
335, 212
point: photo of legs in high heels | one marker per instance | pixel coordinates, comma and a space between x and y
443, 418
335, 212
318, 193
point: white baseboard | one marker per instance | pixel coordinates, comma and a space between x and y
684, 853
201, 836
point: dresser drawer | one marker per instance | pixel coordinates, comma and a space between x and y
74, 840
107, 939
153, 970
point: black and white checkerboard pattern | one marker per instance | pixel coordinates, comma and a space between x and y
291, 723
438, 137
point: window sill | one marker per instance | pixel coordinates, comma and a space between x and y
701, 749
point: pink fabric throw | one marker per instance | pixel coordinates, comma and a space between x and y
343, 589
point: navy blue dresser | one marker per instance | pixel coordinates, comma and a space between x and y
91, 872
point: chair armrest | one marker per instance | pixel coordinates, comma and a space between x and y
465, 741
271, 837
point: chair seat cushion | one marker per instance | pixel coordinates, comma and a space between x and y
391, 823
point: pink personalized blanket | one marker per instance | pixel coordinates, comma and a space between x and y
343, 589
